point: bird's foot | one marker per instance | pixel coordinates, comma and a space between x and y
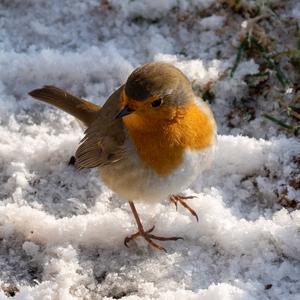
149, 238
182, 200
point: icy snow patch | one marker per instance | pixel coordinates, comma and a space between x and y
62, 231
156, 8
219, 239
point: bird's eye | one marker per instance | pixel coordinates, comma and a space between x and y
156, 102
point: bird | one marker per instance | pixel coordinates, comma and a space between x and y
150, 140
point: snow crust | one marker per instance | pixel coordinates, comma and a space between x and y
62, 231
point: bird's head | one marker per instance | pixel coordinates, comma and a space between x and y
154, 92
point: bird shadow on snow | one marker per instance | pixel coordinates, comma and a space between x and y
64, 192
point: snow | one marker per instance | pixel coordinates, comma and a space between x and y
62, 231
156, 8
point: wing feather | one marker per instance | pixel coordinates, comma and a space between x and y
104, 139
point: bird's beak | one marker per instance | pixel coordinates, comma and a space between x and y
124, 112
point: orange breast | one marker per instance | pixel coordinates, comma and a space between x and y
161, 143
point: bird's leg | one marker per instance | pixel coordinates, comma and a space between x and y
181, 199
146, 234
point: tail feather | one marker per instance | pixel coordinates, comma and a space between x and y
81, 109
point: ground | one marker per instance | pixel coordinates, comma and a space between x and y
62, 231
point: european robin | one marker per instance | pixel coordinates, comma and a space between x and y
150, 140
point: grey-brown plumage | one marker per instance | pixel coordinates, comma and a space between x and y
157, 79
81, 109
104, 136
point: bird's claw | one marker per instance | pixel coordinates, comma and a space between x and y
149, 238
181, 199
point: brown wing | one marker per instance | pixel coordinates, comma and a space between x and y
81, 109
104, 138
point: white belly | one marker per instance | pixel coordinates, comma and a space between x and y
132, 181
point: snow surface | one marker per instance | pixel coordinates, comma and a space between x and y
62, 231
